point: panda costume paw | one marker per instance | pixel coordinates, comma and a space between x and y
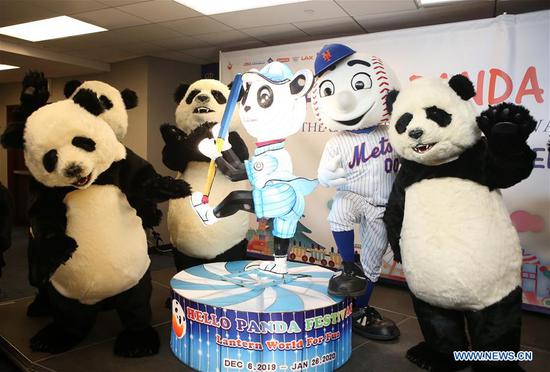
35, 90
137, 344
54, 339
434, 361
506, 126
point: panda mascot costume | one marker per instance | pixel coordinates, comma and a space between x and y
447, 223
200, 107
88, 244
349, 98
115, 103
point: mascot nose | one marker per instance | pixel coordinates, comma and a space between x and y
202, 98
246, 108
73, 170
416, 133
346, 101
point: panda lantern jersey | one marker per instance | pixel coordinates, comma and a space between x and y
351, 95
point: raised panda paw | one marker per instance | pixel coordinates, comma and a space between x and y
506, 126
137, 344
35, 89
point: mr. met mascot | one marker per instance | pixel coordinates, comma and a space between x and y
349, 97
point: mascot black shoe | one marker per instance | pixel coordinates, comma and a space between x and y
200, 107
88, 248
447, 223
368, 322
350, 281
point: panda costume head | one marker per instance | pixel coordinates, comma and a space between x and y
433, 120
114, 102
351, 89
68, 144
273, 105
201, 102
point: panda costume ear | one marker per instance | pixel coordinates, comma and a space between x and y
390, 100
70, 87
87, 99
462, 86
180, 92
130, 98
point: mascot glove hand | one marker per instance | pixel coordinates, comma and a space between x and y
332, 174
208, 148
169, 188
506, 126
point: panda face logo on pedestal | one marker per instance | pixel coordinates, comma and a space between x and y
274, 109
352, 95
67, 144
178, 319
431, 122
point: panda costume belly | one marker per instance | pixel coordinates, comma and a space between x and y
110, 238
187, 232
464, 225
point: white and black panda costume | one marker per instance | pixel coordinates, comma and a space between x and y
88, 245
115, 103
200, 106
447, 222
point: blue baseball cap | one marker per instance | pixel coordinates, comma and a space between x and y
329, 55
276, 72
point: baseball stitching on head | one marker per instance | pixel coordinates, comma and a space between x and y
383, 84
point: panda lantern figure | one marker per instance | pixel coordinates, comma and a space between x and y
272, 108
349, 97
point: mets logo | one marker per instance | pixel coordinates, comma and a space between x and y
326, 55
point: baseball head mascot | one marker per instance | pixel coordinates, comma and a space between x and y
273, 107
447, 222
349, 98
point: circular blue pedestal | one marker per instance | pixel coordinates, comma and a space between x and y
234, 317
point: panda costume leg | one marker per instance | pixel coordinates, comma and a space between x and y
444, 331
497, 327
72, 321
133, 306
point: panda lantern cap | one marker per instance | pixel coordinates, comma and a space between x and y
329, 55
274, 72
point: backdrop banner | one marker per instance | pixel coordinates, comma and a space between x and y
507, 58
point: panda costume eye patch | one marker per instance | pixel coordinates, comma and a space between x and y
402, 122
50, 160
219, 97
84, 143
441, 117
192, 96
105, 102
